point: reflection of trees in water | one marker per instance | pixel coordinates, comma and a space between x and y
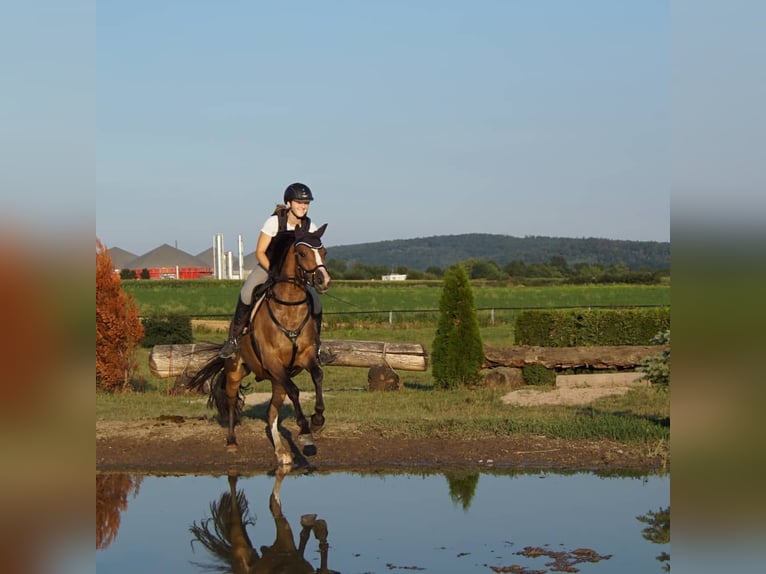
225, 536
112, 492
462, 487
658, 531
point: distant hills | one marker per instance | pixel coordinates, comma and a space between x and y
442, 251
445, 250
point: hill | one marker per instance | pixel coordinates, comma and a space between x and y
445, 250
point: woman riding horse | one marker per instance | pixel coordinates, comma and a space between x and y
281, 340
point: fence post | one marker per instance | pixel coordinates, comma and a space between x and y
390, 317
492, 316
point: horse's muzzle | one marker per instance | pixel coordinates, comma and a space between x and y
322, 280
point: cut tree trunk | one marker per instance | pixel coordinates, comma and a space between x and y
401, 356
620, 356
173, 360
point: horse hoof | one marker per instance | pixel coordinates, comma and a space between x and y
232, 447
310, 450
317, 424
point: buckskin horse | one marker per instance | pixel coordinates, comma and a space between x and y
280, 341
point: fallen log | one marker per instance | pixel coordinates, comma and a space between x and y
174, 360
619, 356
402, 356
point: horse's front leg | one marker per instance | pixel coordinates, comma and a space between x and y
317, 419
281, 448
305, 439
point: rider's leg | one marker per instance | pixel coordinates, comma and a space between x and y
324, 357
242, 312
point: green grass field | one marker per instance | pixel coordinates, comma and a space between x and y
362, 312
217, 298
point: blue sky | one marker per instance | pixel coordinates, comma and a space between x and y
407, 119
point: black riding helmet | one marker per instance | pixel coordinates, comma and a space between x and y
298, 192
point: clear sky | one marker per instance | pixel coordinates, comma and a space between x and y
407, 119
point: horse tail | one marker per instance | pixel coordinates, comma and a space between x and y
213, 373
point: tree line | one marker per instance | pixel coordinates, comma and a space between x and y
557, 269
446, 250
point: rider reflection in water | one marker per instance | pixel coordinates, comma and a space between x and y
287, 217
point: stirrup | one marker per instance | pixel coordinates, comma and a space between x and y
325, 357
229, 349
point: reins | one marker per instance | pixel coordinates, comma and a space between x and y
304, 280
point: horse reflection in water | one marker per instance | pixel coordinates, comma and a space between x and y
225, 536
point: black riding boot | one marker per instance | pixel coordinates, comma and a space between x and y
241, 315
324, 357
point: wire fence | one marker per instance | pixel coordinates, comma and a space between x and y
403, 318
486, 316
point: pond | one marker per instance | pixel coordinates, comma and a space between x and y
452, 521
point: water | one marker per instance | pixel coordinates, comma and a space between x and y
450, 522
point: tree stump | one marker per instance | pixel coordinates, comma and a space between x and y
382, 378
504, 377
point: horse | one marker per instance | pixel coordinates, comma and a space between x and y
229, 542
281, 340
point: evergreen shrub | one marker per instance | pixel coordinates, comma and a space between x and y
538, 375
170, 329
590, 327
458, 351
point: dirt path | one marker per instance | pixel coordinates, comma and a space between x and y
179, 445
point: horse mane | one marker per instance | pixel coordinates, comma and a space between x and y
280, 245
281, 242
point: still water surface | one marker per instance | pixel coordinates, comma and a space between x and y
433, 522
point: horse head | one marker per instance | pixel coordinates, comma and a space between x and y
310, 258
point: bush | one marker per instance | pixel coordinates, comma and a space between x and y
589, 327
457, 351
118, 328
538, 375
172, 329
657, 367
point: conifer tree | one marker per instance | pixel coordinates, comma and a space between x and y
118, 328
457, 351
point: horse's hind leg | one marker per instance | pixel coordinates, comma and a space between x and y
317, 419
234, 376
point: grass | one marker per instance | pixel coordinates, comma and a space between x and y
400, 313
369, 302
419, 410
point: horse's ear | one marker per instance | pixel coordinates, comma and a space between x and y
320, 231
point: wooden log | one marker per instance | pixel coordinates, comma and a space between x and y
401, 356
173, 360
608, 357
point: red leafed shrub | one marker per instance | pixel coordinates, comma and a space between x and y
118, 328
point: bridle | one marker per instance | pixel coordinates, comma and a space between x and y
308, 276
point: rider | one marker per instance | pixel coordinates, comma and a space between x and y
294, 213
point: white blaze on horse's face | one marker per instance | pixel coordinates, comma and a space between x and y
322, 279
311, 255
